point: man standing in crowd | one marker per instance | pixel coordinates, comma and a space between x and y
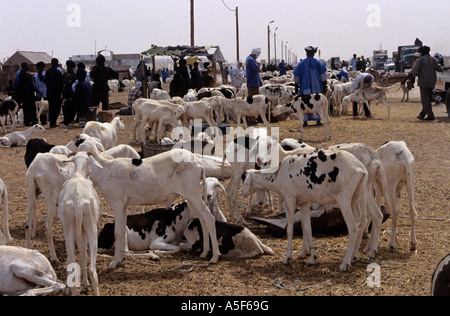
253, 70
54, 81
100, 74
425, 68
310, 77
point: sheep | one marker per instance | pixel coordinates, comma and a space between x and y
34, 147
399, 163
8, 107
26, 272
20, 138
314, 104
106, 132
78, 211
4, 198
251, 106
324, 177
135, 182
339, 92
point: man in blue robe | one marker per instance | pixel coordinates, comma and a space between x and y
310, 77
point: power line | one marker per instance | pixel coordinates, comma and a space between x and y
227, 6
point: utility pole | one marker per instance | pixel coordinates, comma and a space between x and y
192, 24
237, 33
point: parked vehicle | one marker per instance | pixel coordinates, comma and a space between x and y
389, 65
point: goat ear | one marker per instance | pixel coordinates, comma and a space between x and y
93, 161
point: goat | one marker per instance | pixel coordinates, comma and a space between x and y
200, 110
106, 132
26, 272
8, 107
313, 104
20, 138
41, 108
369, 94
78, 211
251, 106
169, 175
158, 94
160, 230
235, 241
34, 147
324, 177
364, 153
212, 186
399, 162
4, 199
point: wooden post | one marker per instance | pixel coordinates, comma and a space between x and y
192, 24
237, 34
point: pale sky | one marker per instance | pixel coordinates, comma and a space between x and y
338, 28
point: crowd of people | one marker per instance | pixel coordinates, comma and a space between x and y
71, 92
68, 91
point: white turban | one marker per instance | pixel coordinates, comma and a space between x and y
256, 51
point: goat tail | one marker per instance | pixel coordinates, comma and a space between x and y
78, 215
382, 183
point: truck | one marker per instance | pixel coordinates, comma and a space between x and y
405, 57
379, 59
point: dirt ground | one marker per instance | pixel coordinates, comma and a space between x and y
403, 273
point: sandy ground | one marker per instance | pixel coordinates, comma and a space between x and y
402, 272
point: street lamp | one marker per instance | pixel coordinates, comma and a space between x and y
268, 40
275, 44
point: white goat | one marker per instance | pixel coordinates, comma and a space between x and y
212, 187
158, 94
399, 164
106, 132
4, 199
41, 107
20, 138
47, 175
156, 180
26, 272
79, 210
200, 110
325, 177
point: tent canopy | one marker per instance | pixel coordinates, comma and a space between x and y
184, 50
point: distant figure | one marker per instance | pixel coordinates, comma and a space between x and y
100, 74
310, 76
25, 94
196, 77
354, 62
238, 76
252, 68
82, 98
282, 68
425, 68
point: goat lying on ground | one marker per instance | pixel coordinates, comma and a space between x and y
20, 138
9, 108
235, 241
26, 272
78, 210
325, 177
